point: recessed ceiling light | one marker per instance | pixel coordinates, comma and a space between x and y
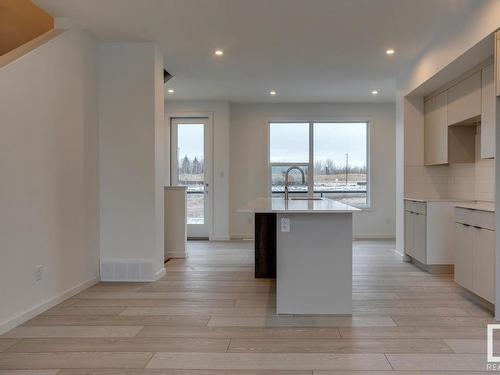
171, 91
272, 92
219, 52
374, 92
390, 51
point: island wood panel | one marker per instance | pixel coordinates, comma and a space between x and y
265, 245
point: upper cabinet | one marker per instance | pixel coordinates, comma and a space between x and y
464, 100
488, 112
497, 61
450, 120
445, 144
435, 130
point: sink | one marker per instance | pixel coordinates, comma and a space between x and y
306, 199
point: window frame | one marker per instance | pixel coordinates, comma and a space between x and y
310, 164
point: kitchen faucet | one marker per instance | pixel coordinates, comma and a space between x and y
286, 178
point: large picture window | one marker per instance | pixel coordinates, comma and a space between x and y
332, 155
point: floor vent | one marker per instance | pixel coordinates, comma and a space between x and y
127, 271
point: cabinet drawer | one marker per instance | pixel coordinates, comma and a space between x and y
408, 205
414, 206
476, 218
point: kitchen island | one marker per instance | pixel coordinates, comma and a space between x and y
307, 244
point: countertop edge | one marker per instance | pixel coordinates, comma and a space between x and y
458, 203
297, 211
278, 205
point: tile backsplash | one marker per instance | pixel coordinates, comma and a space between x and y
484, 187
470, 181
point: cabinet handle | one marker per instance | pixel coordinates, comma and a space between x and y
475, 226
465, 225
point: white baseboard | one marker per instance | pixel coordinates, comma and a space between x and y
374, 236
176, 254
160, 274
220, 238
44, 306
356, 236
244, 236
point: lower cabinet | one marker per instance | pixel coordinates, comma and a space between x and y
415, 236
409, 234
420, 237
483, 263
463, 255
475, 260
429, 231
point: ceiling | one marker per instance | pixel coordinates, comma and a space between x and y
306, 50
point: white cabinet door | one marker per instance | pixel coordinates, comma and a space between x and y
431, 148
409, 234
436, 130
419, 224
487, 112
497, 62
464, 100
463, 255
483, 264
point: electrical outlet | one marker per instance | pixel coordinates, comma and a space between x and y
38, 272
285, 224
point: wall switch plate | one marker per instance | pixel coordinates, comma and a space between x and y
285, 224
38, 272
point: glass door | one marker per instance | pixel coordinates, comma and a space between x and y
190, 167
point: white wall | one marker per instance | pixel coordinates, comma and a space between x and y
131, 161
49, 168
249, 164
220, 114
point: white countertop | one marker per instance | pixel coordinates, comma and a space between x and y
438, 200
324, 205
177, 187
469, 204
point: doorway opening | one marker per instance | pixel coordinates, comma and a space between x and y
190, 167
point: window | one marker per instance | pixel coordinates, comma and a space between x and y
289, 145
332, 155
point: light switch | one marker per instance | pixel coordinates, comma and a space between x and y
285, 224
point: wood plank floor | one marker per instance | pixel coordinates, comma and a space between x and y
209, 316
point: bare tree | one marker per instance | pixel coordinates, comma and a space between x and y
185, 165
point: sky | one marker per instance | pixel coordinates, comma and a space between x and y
190, 141
290, 142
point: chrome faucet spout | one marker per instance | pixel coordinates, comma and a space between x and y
286, 178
